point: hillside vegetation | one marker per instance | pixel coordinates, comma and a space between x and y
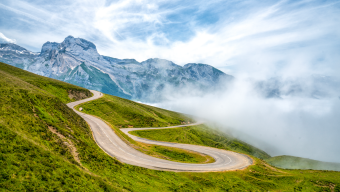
119, 112
64, 91
31, 156
202, 135
45, 146
124, 113
291, 162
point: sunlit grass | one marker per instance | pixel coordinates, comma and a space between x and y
123, 113
201, 135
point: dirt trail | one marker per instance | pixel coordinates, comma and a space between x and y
69, 144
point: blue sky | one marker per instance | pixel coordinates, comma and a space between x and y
269, 37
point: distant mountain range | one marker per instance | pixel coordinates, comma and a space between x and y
77, 61
314, 86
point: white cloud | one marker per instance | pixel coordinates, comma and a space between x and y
298, 126
4, 39
258, 37
138, 29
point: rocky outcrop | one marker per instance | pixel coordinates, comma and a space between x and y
78, 95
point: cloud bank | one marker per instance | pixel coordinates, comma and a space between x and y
4, 39
291, 125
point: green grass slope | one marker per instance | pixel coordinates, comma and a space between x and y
173, 154
202, 135
124, 113
31, 156
34, 158
291, 162
119, 112
64, 91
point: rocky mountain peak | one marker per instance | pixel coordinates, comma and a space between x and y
71, 42
160, 63
196, 65
49, 46
11, 46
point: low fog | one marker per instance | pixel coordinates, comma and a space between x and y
292, 123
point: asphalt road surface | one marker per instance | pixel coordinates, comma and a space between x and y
115, 147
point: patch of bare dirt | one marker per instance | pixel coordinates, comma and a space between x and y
69, 144
69, 129
77, 95
154, 114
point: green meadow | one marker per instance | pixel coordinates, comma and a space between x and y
202, 135
45, 146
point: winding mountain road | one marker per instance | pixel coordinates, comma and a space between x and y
115, 147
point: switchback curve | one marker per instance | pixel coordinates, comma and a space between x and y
115, 147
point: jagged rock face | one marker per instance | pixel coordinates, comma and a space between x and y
49, 47
77, 61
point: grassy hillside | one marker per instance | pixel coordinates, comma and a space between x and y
31, 156
142, 112
64, 91
202, 135
38, 135
291, 162
173, 154
124, 113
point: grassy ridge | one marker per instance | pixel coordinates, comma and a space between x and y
124, 113
183, 155
291, 162
202, 135
64, 91
32, 158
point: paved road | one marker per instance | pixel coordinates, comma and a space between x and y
115, 147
